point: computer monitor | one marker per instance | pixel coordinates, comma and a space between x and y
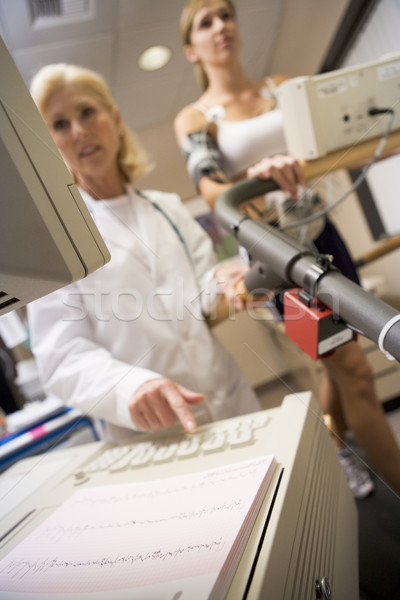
47, 235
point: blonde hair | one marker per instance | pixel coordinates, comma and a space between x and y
132, 160
188, 14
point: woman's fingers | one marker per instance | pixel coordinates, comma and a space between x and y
159, 402
284, 170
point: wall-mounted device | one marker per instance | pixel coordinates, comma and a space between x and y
327, 112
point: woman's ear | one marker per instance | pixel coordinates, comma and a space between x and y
190, 53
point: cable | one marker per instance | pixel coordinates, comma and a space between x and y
360, 178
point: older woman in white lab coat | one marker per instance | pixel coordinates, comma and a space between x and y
130, 343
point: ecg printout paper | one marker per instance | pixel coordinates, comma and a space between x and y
179, 537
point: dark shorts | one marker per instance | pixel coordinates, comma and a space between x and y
328, 242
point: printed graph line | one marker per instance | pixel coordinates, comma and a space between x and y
20, 568
192, 487
60, 531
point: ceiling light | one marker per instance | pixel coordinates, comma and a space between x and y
154, 58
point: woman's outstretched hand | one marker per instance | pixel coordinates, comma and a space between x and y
159, 402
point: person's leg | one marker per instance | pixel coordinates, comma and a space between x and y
329, 399
357, 474
348, 368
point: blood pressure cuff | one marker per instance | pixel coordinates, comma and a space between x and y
203, 159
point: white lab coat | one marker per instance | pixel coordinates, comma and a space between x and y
139, 317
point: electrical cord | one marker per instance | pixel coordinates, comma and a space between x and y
360, 178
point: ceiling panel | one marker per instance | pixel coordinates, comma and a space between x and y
144, 13
20, 31
129, 47
146, 104
97, 50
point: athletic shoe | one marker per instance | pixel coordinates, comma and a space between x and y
357, 476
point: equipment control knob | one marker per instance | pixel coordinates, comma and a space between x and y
323, 589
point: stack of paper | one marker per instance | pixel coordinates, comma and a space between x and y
179, 537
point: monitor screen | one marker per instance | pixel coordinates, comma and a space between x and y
47, 235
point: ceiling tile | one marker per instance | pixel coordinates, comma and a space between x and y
135, 14
93, 53
20, 32
129, 48
148, 103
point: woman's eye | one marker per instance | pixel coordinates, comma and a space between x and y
88, 111
205, 23
60, 124
226, 16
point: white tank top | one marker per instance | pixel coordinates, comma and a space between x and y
243, 143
